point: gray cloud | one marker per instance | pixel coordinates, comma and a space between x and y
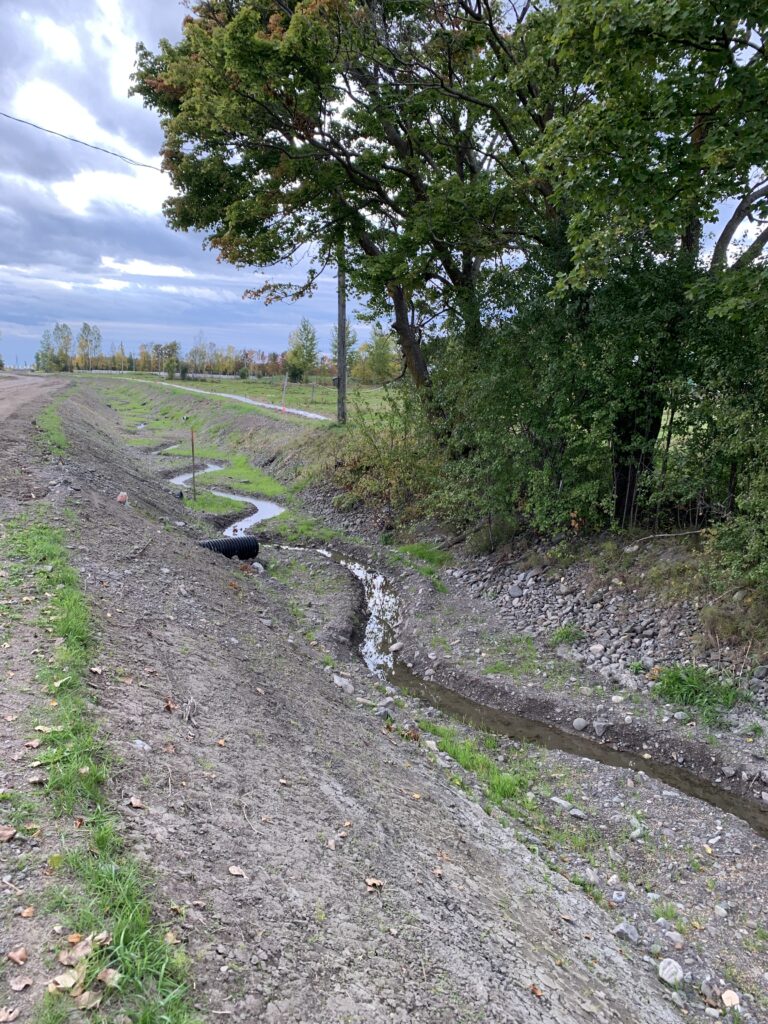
45, 242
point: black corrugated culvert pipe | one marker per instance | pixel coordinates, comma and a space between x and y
233, 547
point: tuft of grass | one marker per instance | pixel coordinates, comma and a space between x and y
501, 786
241, 475
214, 504
423, 551
50, 426
699, 688
566, 634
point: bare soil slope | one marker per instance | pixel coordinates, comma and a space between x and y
365, 887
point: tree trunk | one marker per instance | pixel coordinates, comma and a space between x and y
408, 339
636, 431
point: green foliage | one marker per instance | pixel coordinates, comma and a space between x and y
583, 355
566, 634
699, 688
302, 355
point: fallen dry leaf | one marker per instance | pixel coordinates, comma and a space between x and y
19, 984
169, 749
87, 1000
37, 779
96, 670
437, 872
33, 744
18, 956
102, 939
64, 981
74, 937
536, 991
10, 718
7, 1014
374, 884
85, 770
43, 728
221, 743
237, 871
7, 832
169, 705
172, 939
109, 977
415, 796
28, 912
135, 802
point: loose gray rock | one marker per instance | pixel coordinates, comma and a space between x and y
566, 806
626, 931
343, 684
600, 726
670, 972
580, 724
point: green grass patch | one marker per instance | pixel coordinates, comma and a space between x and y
502, 786
49, 424
521, 657
425, 552
110, 889
214, 504
566, 634
241, 475
426, 559
301, 530
699, 688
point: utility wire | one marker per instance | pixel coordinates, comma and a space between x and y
69, 138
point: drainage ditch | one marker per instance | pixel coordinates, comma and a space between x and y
375, 649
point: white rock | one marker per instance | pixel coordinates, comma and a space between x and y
670, 972
730, 998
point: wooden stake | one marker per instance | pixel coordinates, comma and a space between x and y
194, 482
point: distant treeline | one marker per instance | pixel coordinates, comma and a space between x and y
370, 362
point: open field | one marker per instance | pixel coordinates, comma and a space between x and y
320, 398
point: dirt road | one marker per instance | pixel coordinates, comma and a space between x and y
368, 887
17, 390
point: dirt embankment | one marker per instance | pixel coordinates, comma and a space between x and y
367, 888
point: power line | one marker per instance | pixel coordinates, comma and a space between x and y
69, 138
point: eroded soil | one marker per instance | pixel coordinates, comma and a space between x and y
216, 697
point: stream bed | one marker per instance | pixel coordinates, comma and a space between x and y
376, 650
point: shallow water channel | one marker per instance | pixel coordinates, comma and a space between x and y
382, 620
262, 509
381, 634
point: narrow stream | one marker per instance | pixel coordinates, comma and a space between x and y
381, 633
383, 618
262, 509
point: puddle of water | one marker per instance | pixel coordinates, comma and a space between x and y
248, 401
381, 634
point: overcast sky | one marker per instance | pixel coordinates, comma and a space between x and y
83, 236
